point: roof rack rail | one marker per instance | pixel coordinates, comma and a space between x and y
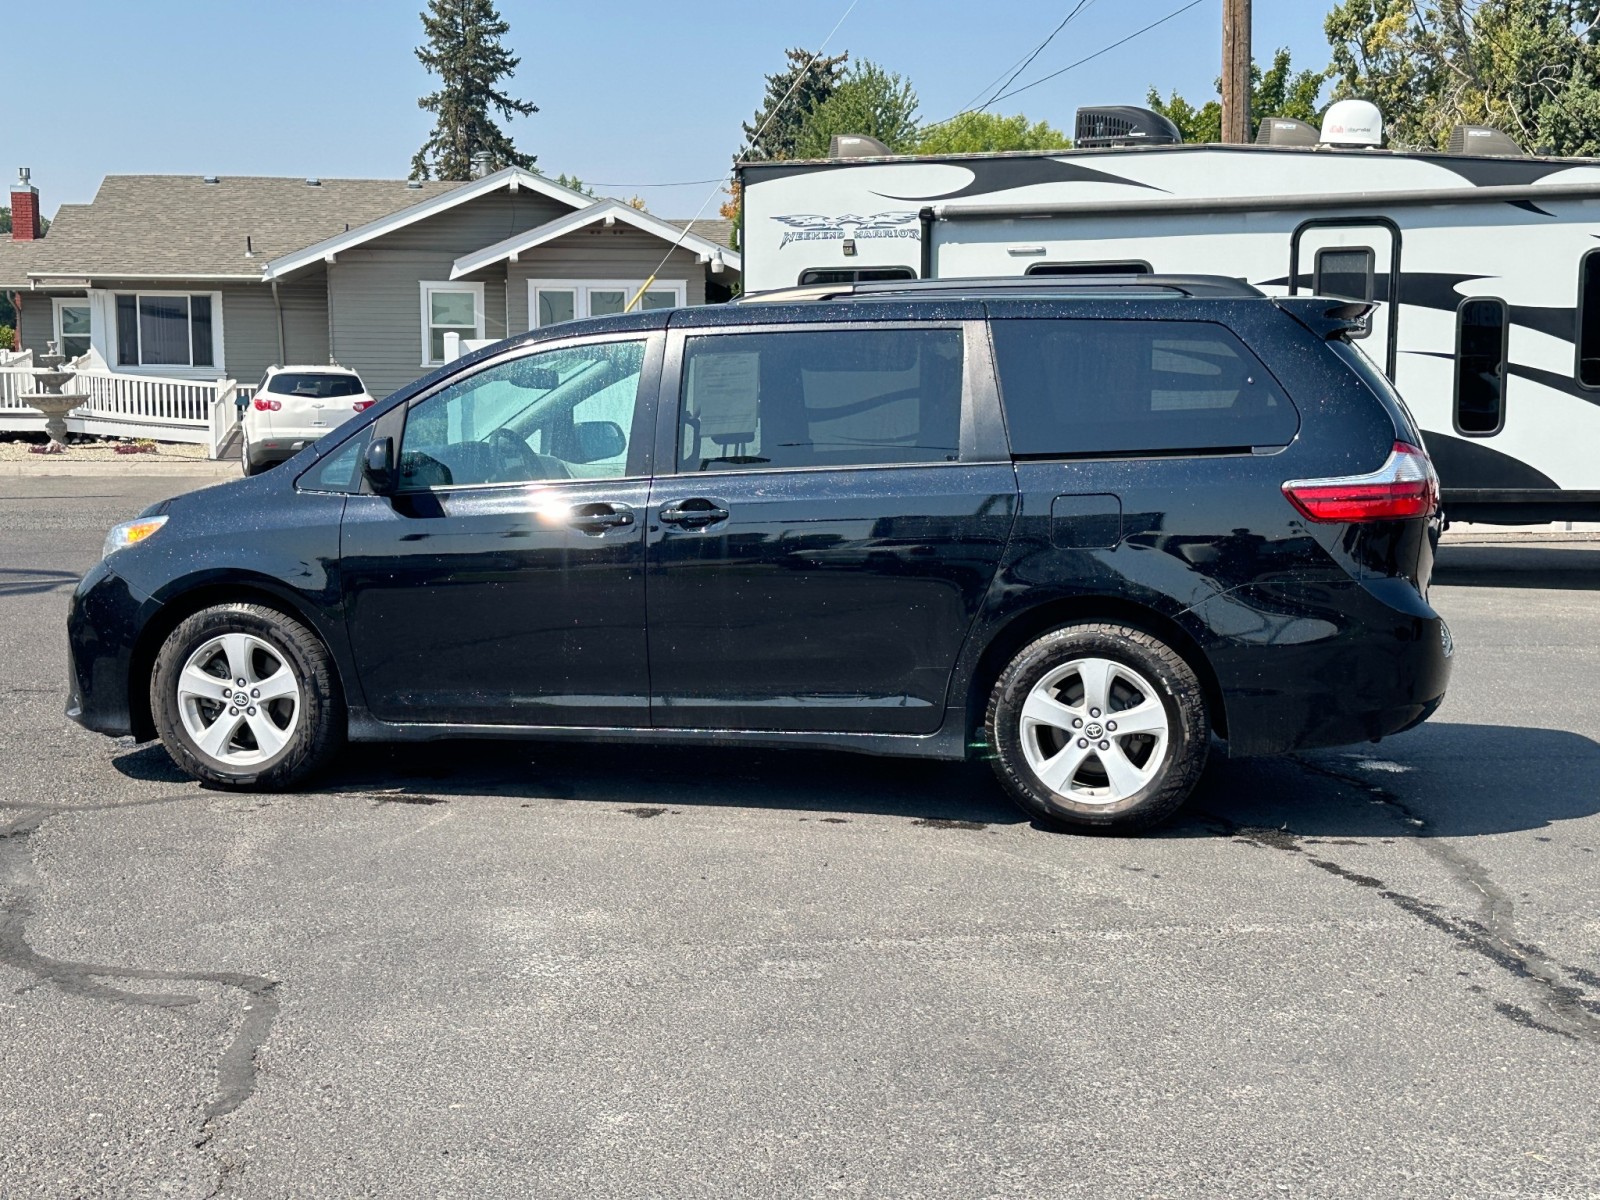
1011, 287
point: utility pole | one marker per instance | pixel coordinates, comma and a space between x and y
1236, 71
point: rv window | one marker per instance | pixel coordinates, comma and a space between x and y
1346, 274
1099, 268
855, 274
1481, 332
820, 398
1589, 320
1083, 387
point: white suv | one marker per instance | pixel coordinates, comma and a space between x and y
293, 407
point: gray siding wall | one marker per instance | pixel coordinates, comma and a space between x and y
596, 252
374, 291
36, 322
250, 325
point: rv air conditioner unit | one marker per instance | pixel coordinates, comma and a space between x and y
1286, 131
1483, 140
1124, 125
856, 145
1353, 123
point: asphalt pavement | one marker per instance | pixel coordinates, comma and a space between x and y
484, 970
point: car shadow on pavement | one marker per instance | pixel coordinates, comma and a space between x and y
27, 581
1441, 780
1559, 567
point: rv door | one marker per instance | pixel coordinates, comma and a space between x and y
1352, 259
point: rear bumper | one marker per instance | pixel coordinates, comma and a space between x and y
103, 622
1311, 665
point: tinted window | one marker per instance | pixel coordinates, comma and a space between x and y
1104, 268
559, 414
1481, 366
820, 398
316, 387
1589, 320
339, 471
1130, 387
855, 274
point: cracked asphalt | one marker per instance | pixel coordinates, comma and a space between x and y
508, 970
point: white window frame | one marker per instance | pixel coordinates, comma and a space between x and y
429, 287
218, 369
57, 303
582, 287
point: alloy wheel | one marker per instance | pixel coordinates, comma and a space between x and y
239, 699
1095, 731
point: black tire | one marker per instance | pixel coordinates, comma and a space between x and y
316, 731
1173, 682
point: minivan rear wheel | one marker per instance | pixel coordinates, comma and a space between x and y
1098, 726
246, 697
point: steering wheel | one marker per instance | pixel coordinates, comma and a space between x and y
513, 449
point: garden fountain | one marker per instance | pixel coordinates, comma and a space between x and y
51, 400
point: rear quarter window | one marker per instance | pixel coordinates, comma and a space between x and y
1090, 387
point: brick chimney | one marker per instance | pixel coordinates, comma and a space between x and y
24, 208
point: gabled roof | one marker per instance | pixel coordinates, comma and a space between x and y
166, 226
460, 193
615, 210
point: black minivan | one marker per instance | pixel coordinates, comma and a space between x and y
1078, 526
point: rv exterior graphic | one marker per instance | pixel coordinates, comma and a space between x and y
1485, 271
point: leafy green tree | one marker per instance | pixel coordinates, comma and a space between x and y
793, 94
979, 132
1279, 91
465, 51
1530, 67
868, 100
573, 182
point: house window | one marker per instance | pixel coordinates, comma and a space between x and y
72, 326
551, 301
166, 329
449, 308
1481, 340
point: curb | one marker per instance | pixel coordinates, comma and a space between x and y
182, 469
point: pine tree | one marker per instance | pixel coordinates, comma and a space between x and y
776, 137
464, 50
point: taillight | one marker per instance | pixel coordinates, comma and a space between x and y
363, 405
1405, 486
268, 405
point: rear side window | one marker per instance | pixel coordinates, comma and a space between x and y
314, 387
1481, 331
821, 398
1080, 387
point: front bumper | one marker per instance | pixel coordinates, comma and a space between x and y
103, 623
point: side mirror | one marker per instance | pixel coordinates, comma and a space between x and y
379, 466
596, 441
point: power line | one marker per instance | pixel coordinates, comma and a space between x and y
1038, 50
1177, 12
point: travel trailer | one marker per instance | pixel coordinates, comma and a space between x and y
1483, 262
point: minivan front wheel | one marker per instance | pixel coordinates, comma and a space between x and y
245, 697
1098, 726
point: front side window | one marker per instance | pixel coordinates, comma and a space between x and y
570, 413
1481, 331
449, 308
821, 398
72, 327
164, 330
1085, 387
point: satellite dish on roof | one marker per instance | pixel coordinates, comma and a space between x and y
1353, 123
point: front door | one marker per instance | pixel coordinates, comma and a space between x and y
820, 553
503, 583
1352, 261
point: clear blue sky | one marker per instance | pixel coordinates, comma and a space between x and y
630, 92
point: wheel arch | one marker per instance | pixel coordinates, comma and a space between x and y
203, 594
1024, 626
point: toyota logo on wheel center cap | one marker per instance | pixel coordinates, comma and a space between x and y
1092, 730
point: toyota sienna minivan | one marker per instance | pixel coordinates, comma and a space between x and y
1081, 528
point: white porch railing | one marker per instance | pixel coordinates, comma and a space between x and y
120, 405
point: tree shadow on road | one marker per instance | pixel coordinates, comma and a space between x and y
27, 581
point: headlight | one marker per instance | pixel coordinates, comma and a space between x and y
130, 533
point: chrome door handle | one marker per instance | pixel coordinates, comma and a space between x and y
693, 514
599, 517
